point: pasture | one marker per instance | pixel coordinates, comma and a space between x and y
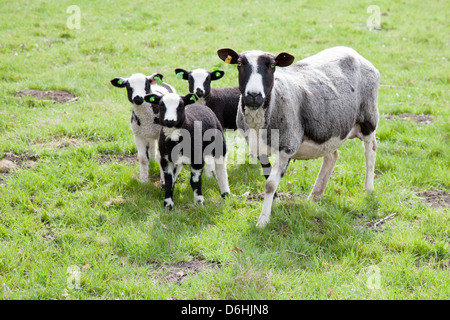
76, 224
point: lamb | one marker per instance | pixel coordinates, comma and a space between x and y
312, 107
190, 132
222, 101
143, 120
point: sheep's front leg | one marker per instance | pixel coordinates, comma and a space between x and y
266, 167
329, 161
196, 184
161, 171
277, 172
370, 150
169, 178
143, 157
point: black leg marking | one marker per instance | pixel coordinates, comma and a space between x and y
265, 164
146, 151
196, 184
168, 187
266, 167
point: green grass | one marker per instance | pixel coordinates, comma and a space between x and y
71, 209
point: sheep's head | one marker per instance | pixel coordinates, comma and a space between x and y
170, 108
199, 80
256, 73
138, 85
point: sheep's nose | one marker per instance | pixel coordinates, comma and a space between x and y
138, 100
253, 100
199, 93
169, 123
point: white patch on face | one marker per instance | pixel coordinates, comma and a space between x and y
137, 82
199, 76
255, 81
171, 101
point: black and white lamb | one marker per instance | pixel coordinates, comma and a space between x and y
311, 107
143, 120
190, 132
222, 101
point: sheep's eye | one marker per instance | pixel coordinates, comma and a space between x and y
273, 65
239, 63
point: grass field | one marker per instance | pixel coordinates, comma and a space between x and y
76, 224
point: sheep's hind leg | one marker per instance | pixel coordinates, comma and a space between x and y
222, 175
370, 150
152, 149
329, 161
210, 167
276, 173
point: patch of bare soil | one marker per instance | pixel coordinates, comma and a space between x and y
282, 196
58, 143
180, 270
12, 162
55, 95
127, 159
416, 117
436, 199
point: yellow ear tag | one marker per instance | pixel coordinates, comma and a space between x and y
228, 59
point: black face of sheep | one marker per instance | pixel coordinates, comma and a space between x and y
256, 73
138, 86
199, 80
171, 108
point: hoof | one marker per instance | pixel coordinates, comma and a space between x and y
225, 194
168, 204
262, 222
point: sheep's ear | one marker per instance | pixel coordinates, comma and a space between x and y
156, 78
217, 74
190, 98
119, 82
228, 55
152, 98
284, 59
182, 74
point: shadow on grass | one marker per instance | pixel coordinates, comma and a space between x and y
302, 232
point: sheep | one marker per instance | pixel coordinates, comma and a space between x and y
144, 122
223, 101
312, 107
190, 132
